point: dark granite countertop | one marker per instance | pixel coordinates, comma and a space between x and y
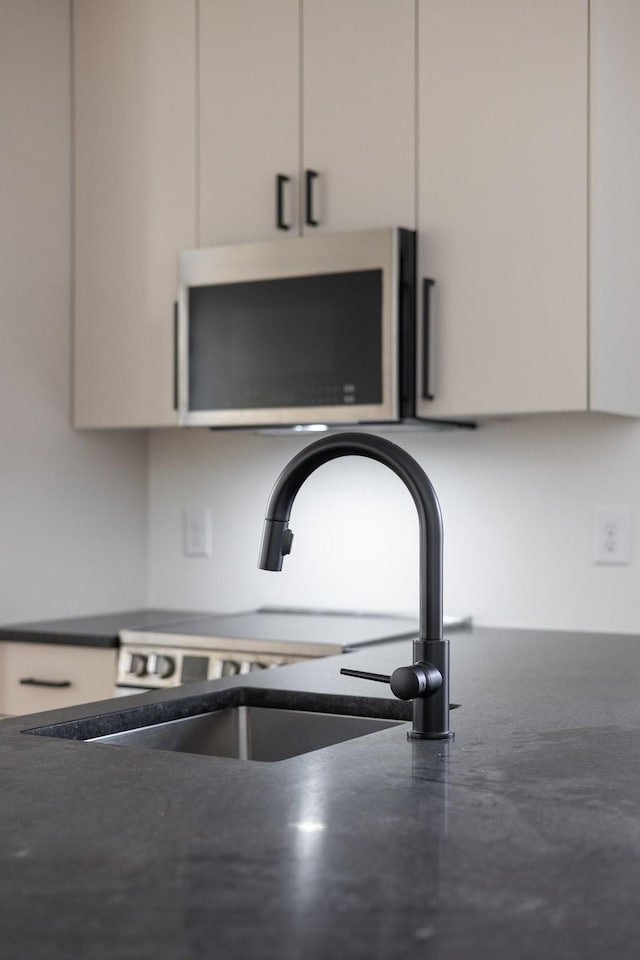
94, 631
519, 839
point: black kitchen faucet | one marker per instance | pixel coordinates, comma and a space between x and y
426, 681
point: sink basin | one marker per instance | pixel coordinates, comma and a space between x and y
242, 723
249, 732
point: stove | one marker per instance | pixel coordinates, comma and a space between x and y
210, 646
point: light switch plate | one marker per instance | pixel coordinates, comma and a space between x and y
196, 532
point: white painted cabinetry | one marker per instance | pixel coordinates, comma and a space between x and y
529, 209
263, 89
614, 291
134, 177
321, 88
508, 132
249, 70
45, 676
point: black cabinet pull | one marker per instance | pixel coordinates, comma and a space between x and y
175, 355
427, 284
310, 176
281, 224
32, 682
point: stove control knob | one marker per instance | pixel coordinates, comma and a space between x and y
164, 666
137, 664
256, 665
230, 668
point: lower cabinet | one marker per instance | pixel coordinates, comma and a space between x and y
45, 676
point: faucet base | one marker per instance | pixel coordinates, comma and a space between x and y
431, 713
448, 735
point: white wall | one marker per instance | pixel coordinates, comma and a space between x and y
517, 500
72, 506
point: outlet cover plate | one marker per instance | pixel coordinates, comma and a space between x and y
612, 535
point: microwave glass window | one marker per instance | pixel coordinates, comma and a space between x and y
301, 341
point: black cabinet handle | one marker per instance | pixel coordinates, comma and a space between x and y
175, 355
32, 682
310, 176
281, 224
427, 284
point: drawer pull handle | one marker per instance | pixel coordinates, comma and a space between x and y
33, 682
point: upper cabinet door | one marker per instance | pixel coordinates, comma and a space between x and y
320, 93
358, 113
503, 96
249, 102
134, 103
615, 206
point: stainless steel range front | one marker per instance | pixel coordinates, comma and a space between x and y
209, 647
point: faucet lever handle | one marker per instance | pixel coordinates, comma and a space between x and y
407, 683
364, 675
420, 680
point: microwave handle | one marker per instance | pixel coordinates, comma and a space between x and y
175, 355
427, 284
281, 224
309, 177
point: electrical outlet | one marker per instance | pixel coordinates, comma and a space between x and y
612, 535
196, 532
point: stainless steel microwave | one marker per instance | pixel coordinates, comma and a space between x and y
299, 331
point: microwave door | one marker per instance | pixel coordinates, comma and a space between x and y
317, 346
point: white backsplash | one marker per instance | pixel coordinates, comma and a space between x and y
517, 500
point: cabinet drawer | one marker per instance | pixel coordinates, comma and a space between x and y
44, 676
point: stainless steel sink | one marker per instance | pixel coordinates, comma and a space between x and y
249, 732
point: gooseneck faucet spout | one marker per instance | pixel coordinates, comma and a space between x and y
427, 680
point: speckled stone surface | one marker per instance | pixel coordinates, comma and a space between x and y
520, 839
95, 631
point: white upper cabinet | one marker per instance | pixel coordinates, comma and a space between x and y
503, 203
528, 204
358, 112
506, 131
249, 69
615, 206
320, 93
134, 113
